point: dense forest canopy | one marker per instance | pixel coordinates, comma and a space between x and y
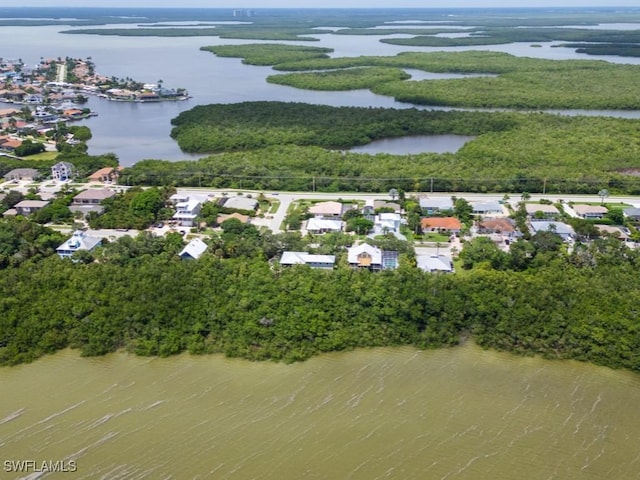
140, 296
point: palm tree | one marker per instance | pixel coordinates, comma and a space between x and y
604, 193
525, 196
393, 193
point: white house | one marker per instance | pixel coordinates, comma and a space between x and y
388, 222
487, 208
562, 229
434, 263
193, 250
186, 212
323, 225
78, 241
303, 258
433, 205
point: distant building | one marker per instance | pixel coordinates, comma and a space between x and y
429, 206
378, 204
62, 171
27, 207
562, 229
105, 175
90, 200
503, 226
632, 213
228, 216
621, 233
241, 203
22, 174
590, 211
547, 211
487, 208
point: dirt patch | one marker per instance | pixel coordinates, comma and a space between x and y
630, 171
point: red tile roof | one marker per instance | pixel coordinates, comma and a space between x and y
445, 223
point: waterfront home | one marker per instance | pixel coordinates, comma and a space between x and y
303, 258
590, 211
29, 174
78, 241
8, 112
372, 258
105, 175
449, 225
62, 171
27, 207
10, 144
565, 231
193, 250
72, 113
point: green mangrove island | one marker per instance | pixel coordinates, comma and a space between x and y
293, 146
500, 80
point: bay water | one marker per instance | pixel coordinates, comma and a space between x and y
392, 413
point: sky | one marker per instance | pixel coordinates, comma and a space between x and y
256, 4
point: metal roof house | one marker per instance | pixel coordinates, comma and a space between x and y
303, 258
78, 241
193, 250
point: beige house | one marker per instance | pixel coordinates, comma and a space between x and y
590, 211
326, 209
